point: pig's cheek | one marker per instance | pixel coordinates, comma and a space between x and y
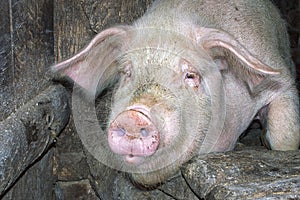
170, 131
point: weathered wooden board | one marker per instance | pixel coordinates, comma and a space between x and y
6, 71
27, 134
248, 174
26, 51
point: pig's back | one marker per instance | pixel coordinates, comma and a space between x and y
254, 23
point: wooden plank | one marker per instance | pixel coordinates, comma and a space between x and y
247, 174
26, 135
27, 50
36, 183
27, 36
77, 22
6, 71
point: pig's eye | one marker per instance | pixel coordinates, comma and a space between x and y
126, 76
192, 79
127, 71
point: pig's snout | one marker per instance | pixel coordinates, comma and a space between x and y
133, 135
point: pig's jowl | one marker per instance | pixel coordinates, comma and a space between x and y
188, 77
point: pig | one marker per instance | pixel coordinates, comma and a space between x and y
188, 78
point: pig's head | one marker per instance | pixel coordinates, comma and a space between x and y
168, 97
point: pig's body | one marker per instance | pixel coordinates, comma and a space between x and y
245, 40
257, 26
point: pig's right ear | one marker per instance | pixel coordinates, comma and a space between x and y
253, 71
93, 68
210, 38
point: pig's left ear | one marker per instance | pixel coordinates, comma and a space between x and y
210, 38
93, 67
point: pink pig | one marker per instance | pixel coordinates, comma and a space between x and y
189, 77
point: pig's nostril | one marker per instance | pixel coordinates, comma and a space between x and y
144, 132
121, 132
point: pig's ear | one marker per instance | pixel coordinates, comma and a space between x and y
210, 38
94, 66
